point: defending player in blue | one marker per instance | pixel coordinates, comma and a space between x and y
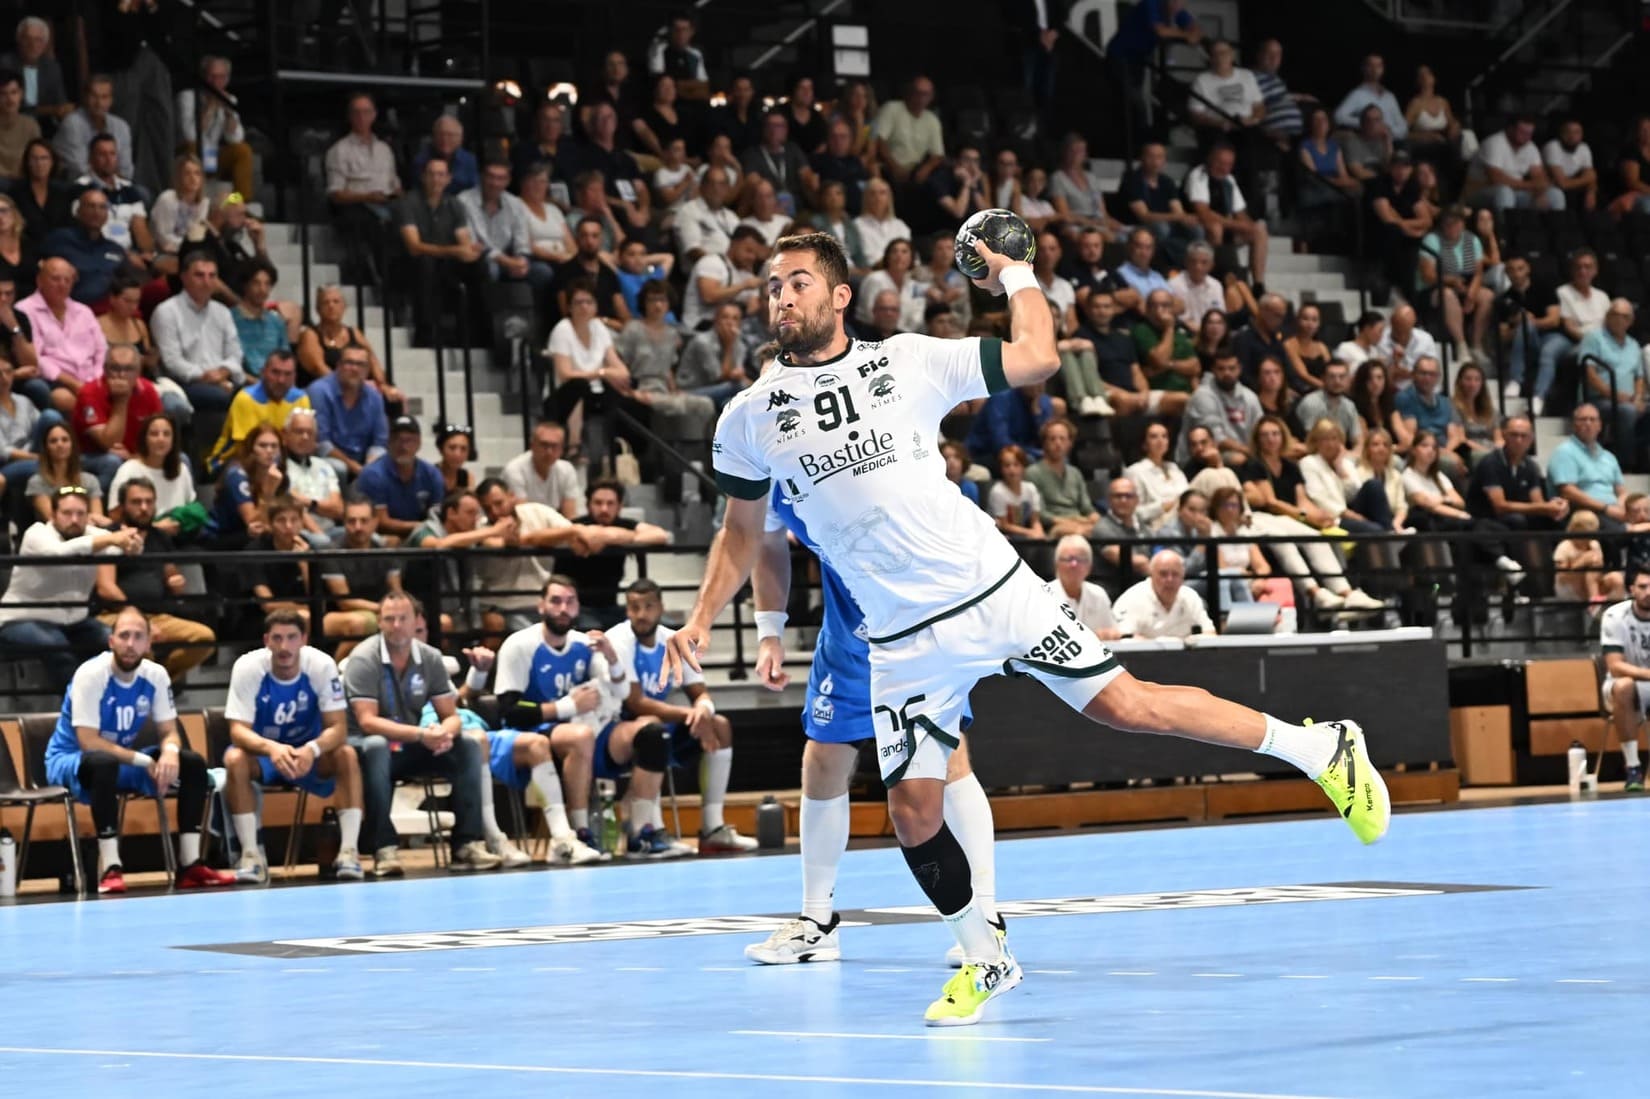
640, 644
113, 700
836, 718
288, 724
556, 680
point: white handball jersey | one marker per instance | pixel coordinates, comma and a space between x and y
854, 445
1622, 631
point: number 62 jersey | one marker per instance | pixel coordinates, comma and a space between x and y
853, 446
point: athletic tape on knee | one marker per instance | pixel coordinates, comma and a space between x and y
651, 748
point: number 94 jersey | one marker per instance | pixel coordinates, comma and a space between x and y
97, 699
290, 711
852, 445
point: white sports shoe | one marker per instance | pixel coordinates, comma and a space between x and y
1358, 600
724, 839
347, 866
798, 940
253, 869
569, 850
508, 852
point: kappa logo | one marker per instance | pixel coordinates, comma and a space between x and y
779, 399
788, 421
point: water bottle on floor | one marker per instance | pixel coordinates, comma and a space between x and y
8, 865
606, 792
1578, 766
770, 823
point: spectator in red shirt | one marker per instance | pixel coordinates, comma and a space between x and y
109, 414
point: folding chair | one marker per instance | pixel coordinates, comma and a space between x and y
37, 733
13, 791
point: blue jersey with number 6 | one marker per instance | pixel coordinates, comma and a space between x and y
289, 711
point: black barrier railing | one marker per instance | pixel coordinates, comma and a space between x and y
1608, 377
1459, 581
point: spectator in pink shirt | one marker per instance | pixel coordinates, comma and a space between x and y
67, 337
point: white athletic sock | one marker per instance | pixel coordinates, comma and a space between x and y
714, 770
489, 822
974, 933
968, 812
1630, 753
1308, 747
246, 830
579, 818
555, 818
189, 848
656, 814
108, 852
824, 836
640, 815
544, 779
349, 829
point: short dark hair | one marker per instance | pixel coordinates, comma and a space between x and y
354, 499
751, 232
412, 601
827, 252
582, 285
652, 288
279, 505
126, 487
284, 617
604, 482
496, 162
10, 76
644, 587
97, 139
256, 267
485, 487
1226, 350
558, 580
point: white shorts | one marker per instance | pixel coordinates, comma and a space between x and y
1609, 702
920, 680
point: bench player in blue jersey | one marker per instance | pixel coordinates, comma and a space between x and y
557, 681
287, 723
697, 727
113, 700
836, 718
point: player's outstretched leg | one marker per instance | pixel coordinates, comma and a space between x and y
916, 805
827, 770
968, 814
1332, 752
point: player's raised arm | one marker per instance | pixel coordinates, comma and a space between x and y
732, 554
1030, 355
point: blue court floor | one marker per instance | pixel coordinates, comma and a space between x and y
1479, 952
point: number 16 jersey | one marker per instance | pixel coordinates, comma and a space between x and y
852, 444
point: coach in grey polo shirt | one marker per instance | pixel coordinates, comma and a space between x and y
387, 681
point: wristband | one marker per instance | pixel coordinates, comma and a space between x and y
706, 704
140, 759
475, 679
1018, 277
770, 624
566, 709
169, 747
315, 748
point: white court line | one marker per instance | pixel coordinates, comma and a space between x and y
563, 1070
1131, 973
1055, 972
305, 969
1217, 974
1582, 981
639, 969
1491, 980
389, 969
1303, 976
884, 1037
1395, 978
474, 969
555, 969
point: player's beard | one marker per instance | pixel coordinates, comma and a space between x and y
811, 334
557, 623
128, 664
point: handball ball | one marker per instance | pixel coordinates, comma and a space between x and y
1003, 231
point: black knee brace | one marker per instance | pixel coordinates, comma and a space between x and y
650, 749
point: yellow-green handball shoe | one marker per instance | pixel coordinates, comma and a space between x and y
1354, 785
966, 993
